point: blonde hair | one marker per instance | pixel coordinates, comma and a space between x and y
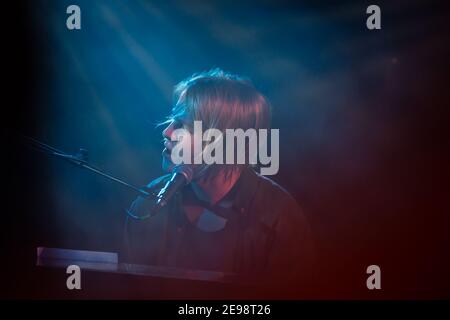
222, 101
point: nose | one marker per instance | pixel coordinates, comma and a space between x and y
167, 132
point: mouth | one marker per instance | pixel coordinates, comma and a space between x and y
167, 148
166, 153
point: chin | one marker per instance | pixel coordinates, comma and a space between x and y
167, 165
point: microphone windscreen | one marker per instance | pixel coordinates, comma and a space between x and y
186, 170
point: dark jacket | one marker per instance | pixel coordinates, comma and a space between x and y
274, 239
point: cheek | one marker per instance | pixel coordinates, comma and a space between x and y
197, 142
186, 142
183, 141
180, 137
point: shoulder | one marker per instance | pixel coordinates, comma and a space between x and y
269, 186
274, 205
285, 217
270, 191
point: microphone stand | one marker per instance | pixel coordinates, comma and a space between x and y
80, 159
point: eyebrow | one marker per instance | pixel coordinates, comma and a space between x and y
184, 119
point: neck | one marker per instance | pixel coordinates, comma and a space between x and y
214, 189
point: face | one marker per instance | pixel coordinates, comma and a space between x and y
170, 142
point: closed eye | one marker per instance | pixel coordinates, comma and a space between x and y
179, 124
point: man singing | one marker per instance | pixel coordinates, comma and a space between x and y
229, 218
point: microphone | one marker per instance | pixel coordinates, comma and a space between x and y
181, 175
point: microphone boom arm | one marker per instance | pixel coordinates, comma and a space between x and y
82, 162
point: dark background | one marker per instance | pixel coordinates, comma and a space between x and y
362, 119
